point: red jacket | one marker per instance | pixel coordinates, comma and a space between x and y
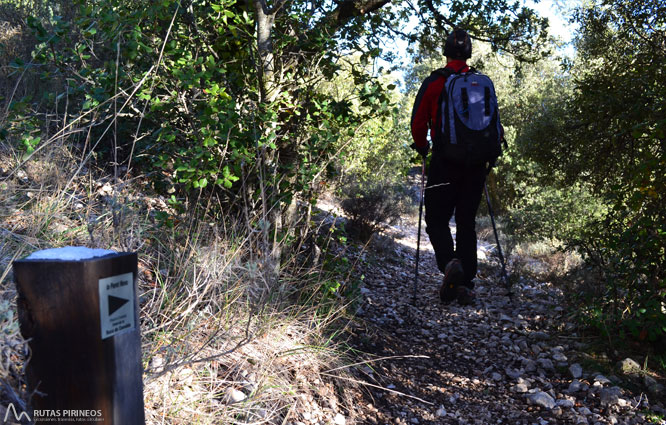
424, 113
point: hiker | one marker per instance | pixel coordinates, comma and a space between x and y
466, 135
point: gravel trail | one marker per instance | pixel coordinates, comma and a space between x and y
500, 361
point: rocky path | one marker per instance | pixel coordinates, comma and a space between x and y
501, 361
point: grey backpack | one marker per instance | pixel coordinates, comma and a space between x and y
470, 123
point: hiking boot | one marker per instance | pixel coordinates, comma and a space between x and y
453, 277
465, 295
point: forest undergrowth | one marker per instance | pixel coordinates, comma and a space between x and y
220, 343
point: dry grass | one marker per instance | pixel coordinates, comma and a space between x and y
211, 323
542, 260
276, 374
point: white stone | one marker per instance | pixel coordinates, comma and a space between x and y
339, 419
559, 357
584, 411
581, 420
576, 370
540, 335
564, 403
513, 373
542, 399
629, 366
520, 388
575, 386
601, 379
610, 396
157, 363
233, 395
481, 255
105, 190
546, 364
440, 412
530, 365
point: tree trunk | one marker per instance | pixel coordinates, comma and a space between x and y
282, 221
266, 66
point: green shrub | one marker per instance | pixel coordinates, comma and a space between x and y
372, 206
546, 212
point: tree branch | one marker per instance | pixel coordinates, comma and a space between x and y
439, 18
347, 10
268, 11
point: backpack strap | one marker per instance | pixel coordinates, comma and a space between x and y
465, 101
447, 72
443, 72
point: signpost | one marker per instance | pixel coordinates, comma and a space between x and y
78, 310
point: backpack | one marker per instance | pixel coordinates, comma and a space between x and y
470, 124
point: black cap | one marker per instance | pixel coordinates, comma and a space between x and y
458, 45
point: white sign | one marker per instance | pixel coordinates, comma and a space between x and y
116, 304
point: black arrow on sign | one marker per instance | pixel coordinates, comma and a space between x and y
115, 303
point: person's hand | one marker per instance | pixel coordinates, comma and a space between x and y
502, 139
489, 166
422, 150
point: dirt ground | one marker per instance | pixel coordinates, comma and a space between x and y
512, 360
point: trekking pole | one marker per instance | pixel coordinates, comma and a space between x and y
418, 237
499, 247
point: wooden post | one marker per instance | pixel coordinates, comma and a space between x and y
80, 317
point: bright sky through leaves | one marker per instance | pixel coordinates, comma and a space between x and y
557, 12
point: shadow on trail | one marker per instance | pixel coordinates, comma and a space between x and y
498, 361
444, 363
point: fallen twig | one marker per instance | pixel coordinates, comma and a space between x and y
356, 381
375, 360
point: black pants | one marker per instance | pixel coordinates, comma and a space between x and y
462, 194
